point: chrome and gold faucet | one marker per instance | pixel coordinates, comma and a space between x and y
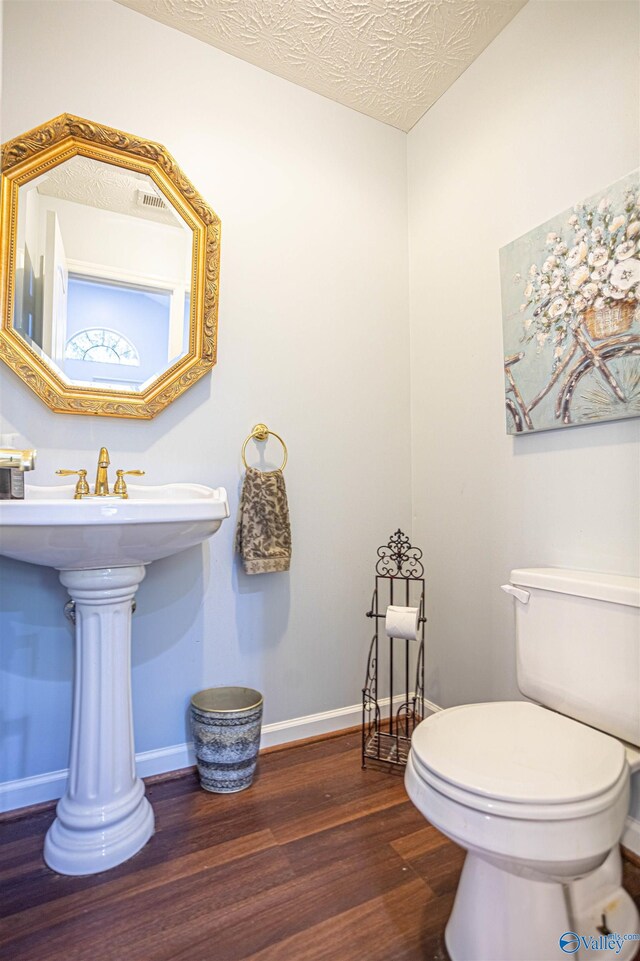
21, 460
101, 487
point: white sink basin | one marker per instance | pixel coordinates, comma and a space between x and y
101, 546
50, 528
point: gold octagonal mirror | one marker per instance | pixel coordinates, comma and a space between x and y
110, 265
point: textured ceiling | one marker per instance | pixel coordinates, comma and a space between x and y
390, 59
97, 184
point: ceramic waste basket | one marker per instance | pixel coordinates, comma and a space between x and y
226, 723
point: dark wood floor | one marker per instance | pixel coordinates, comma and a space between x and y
318, 861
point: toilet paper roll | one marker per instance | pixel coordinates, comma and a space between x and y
402, 622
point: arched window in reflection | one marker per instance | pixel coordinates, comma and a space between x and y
102, 346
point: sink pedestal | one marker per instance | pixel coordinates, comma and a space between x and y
104, 817
100, 546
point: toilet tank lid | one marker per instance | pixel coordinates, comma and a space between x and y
617, 588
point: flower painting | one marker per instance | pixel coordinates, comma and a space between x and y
571, 315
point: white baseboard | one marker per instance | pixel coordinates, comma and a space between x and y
631, 836
32, 790
48, 787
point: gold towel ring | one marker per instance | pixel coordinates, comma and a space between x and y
261, 432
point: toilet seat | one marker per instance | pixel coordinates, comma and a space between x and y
518, 755
519, 810
520, 785
516, 782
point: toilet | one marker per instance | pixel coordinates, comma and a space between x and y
537, 791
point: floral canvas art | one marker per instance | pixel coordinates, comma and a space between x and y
571, 315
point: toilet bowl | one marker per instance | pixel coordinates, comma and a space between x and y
539, 802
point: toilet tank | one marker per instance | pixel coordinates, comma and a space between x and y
578, 645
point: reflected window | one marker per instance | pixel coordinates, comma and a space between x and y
102, 346
113, 326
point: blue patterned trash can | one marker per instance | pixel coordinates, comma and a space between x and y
226, 724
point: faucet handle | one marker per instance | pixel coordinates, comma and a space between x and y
82, 487
120, 486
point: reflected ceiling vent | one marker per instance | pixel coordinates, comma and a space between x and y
145, 199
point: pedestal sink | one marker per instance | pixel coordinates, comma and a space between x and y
101, 546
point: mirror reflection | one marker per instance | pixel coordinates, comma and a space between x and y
103, 275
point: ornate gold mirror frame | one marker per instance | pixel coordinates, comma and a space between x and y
38, 151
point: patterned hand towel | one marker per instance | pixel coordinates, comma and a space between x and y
263, 535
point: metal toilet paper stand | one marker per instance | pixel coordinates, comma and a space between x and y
390, 712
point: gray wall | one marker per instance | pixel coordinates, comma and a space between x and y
313, 341
549, 114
